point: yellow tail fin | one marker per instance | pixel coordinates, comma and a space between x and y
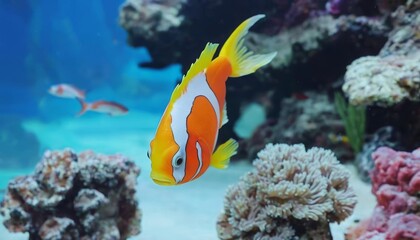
220, 158
242, 60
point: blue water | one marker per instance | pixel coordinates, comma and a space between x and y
78, 42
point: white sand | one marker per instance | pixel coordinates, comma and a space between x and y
187, 212
364, 208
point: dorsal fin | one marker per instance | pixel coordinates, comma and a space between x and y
200, 64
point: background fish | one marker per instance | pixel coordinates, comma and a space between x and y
110, 108
64, 90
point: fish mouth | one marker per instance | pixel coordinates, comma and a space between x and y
162, 180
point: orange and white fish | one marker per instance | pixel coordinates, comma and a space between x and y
110, 108
183, 147
66, 91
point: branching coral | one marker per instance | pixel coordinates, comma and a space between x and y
85, 196
396, 184
291, 192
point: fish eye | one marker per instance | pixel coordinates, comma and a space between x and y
178, 162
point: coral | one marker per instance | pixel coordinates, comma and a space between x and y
404, 39
176, 31
386, 81
354, 119
396, 184
336, 7
387, 6
292, 192
360, 7
399, 169
299, 11
309, 121
300, 43
393, 75
58, 228
305, 38
70, 196
313, 55
148, 17
383, 137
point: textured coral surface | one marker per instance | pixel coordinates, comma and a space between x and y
70, 196
310, 121
393, 75
396, 185
385, 80
292, 192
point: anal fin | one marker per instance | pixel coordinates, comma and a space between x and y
220, 158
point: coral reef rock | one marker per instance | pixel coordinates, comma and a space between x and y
298, 44
310, 121
380, 138
306, 37
70, 196
385, 81
292, 193
393, 75
396, 185
146, 18
314, 47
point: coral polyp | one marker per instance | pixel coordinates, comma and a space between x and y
291, 193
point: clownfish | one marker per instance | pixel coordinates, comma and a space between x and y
66, 91
185, 140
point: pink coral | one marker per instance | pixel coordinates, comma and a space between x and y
396, 168
404, 226
396, 184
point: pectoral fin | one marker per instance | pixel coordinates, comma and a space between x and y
220, 158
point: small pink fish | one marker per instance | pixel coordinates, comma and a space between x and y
66, 91
110, 108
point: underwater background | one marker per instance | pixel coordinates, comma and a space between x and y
346, 78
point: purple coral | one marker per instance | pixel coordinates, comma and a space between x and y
292, 192
335, 7
70, 196
396, 184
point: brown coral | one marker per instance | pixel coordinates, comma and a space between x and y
70, 196
291, 192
